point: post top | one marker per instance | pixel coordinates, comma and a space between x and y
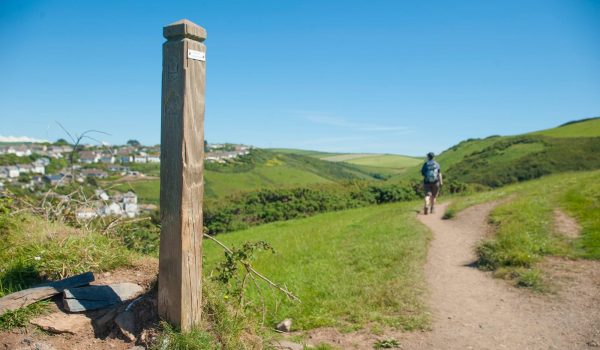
184, 29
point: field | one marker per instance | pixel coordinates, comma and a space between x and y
382, 164
391, 161
380, 249
303, 152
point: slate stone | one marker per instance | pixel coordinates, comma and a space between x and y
99, 297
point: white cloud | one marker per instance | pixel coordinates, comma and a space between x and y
20, 139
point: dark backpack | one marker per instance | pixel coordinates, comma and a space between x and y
432, 171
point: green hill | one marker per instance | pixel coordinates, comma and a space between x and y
578, 128
303, 152
499, 160
381, 164
259, 169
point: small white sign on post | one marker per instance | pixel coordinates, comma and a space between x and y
197, 55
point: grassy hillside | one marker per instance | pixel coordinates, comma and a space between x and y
303, 152
500, 160
380, 249
379, 165
583, 128
260, 169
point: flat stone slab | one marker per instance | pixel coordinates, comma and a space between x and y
60, 322
29, 296
99, 297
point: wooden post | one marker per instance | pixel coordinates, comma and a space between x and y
181, 174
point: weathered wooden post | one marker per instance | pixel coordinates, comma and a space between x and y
181, 174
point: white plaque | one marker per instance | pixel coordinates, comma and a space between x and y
197, 55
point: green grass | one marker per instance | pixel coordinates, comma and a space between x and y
149, 169
346, 157
309, 153
148, 191
33, 251
263, 176
349, 268
224, 184
499, 160
224, 326
385, 164
392, 161
266, 170
586, 128
582, 201
524, 221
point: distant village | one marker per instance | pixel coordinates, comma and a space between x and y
49, 166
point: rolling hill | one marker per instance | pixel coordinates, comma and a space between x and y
498, 160
374, 163
259, 169
578, 128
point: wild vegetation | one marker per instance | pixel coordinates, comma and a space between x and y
313, 225
525, 229
380, 249
33, 250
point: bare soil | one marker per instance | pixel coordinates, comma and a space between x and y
566, 225
472, 310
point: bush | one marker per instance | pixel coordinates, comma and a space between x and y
268, 205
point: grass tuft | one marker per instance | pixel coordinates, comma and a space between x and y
172, 339
20, 317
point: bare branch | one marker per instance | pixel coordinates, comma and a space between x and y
249, 267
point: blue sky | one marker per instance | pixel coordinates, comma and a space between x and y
354, 76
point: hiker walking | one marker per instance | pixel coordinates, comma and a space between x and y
432, 181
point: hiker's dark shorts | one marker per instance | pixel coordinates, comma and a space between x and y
433, 188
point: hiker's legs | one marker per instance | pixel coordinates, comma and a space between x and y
428, 195
435, 189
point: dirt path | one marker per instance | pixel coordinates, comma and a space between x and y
471, 310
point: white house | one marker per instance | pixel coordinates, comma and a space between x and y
10, 171
38, 168
42, 161
111, 209
142, 157
130, 204
107, 158
88, 157
100, 193
153, 158
21, 151
85, 214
